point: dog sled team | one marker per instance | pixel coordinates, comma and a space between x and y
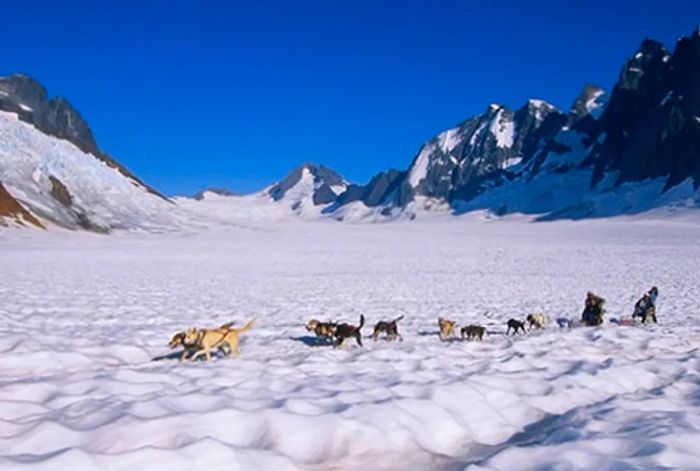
224, 340
339, 333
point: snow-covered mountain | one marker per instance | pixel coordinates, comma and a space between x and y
305, 192
631, 151
54, 173
458, 162
308, 186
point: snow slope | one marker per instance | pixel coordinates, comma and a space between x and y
83, 316
99, 197
244, 209
297, 200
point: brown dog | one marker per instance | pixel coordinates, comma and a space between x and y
390, 328
205, 340
447, 328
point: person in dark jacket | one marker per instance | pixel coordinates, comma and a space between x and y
645, 308
593, 311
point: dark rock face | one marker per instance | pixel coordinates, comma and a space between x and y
629, 145
323, 179
18, 90
375, 193
569, 145
27, 98
323, 195
217, 191
651, 124
60, 192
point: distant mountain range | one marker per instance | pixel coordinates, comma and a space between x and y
629, 151
635, 149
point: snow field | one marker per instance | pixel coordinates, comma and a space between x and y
83, 316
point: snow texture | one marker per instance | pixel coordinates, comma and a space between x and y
595, 105
502, 129
83, 316
542, 108
449, 140
419, 169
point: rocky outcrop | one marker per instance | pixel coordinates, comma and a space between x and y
28, 98
60, 192
11, 209
380, 190
651, 126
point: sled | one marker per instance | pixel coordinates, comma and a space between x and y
628, 321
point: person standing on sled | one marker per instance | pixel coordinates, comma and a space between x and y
645, 308
593, 311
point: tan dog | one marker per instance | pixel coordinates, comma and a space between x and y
180, 340
447, 328
206, 340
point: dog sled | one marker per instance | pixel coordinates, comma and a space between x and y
624, 321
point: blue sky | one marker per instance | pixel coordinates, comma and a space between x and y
190, 94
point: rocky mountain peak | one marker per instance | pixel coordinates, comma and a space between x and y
590, 102
540, 109
26, 92
649, 60
28, 98
322, 183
